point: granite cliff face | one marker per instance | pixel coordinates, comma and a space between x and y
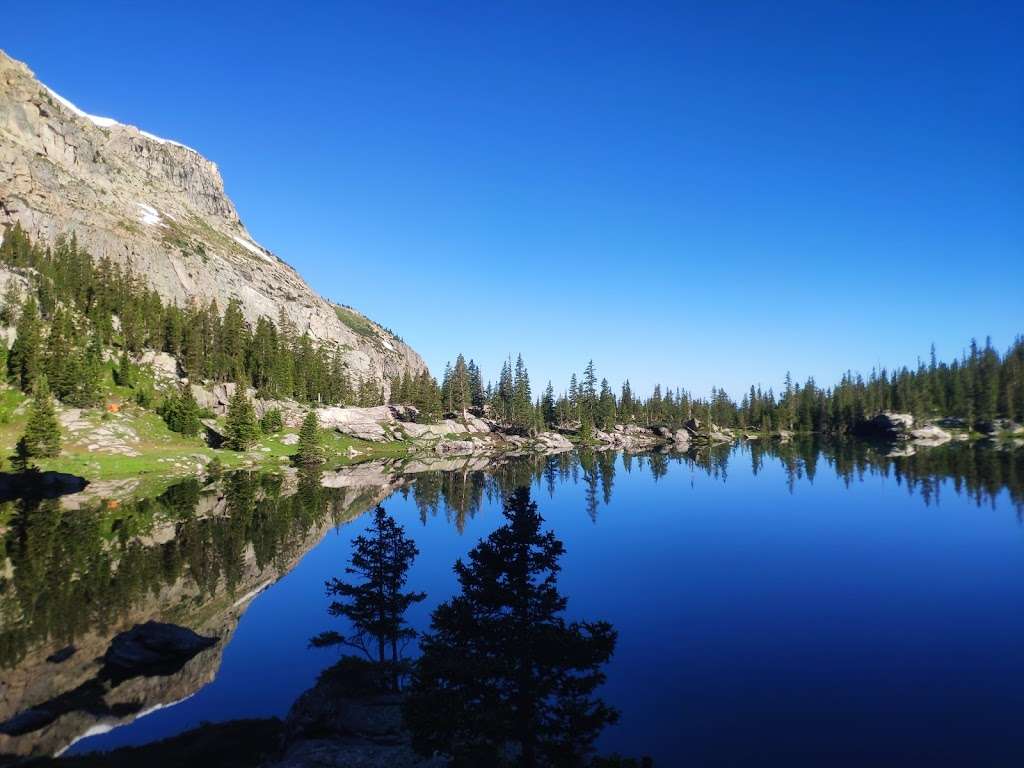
160, 208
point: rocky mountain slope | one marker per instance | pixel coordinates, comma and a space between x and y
160, 208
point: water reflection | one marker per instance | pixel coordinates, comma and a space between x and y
80, 569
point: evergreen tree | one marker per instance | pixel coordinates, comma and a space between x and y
427, 399
240, 429
606, 406
181, 412
547, 406
574, 398
24, 363
477, 396
42, 431
521, 406
376, 604
308, 450
271, 421
459, 386
10, 304
503, 677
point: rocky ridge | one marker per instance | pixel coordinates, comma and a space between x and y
160, 208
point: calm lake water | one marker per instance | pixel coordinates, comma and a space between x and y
803, 605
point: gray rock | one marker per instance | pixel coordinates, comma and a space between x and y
163, 365
160, 208
553, 442
930, 435
889, 424
681, 438
457, 447
361, 423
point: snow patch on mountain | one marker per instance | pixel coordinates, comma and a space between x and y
252, 248
148, 215
109, 122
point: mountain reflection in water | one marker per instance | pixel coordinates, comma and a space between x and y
80, 569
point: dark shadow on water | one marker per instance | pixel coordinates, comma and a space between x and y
39, 485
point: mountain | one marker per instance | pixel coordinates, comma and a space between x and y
160, 208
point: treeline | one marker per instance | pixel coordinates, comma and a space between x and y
980, 386
75, 307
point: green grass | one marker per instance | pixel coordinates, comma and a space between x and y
356, 322
166, 454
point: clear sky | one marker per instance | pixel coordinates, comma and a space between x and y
697, 194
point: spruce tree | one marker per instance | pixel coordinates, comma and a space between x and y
10, 304
308, 450
427, 399
547, 406
271, 421
502, 673
42, 431
241, 429
606, 406
181, 412
376, 604
24, 362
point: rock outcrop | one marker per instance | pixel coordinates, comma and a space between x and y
887, 425
930, 435
160, 208
344, 721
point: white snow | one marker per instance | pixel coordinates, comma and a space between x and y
387, 344
149, 215
252, 248
109, 122
102, 727
252, 593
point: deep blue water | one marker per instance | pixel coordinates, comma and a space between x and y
763, 619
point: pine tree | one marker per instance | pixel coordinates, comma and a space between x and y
376, 605
459, 386
477, 396
588, 393
10, 304
24, 363
308, 449
42, 431
521, 412
181, 412
427, 399
606, 406
547, 406
502, 672
240, 429
271, 421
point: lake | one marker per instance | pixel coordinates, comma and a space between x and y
802, 604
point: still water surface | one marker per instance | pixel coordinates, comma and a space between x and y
806, 605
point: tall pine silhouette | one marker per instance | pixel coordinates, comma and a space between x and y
503, 678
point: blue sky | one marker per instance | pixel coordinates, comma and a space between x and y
695, 194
